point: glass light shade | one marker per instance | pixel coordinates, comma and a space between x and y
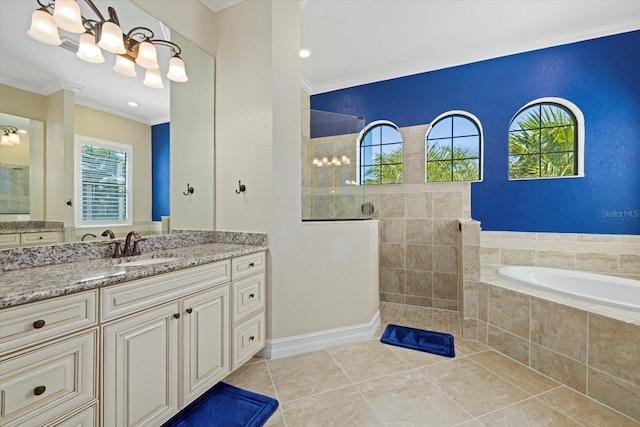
14, 138
66, 15
89, 50
153, 79
177, 72
43, 29
5, 140
125, 67
147, 56
111, 38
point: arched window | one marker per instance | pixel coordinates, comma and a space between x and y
454, 148
546, 140
380, 154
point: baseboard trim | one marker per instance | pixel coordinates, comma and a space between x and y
290, 346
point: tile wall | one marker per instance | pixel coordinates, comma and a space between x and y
418, 222
590, 353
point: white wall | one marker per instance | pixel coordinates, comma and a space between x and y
321, 277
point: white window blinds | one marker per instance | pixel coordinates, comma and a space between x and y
103, 187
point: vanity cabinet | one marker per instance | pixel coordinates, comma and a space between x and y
160, 343
48, 368
30, 239
248, 317
158, 360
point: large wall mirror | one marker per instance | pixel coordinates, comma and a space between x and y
55, 96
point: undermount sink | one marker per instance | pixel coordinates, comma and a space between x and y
148, 261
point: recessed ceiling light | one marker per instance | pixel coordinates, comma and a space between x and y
305, 53
132, 104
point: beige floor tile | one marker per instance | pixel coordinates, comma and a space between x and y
471, 423
466, 347
253, 377
416, 358
512, 371
342, 407
306, 374
472, 386
583, 409
276, 420
367, 360
408, 398
531, 412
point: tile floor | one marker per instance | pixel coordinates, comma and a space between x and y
373, 384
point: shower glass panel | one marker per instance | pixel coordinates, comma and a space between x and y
330, 191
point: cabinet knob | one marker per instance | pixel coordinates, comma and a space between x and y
189, 310
252, 295
251, 264
39, 324
40, 237
39, 390
176, 316
251, 338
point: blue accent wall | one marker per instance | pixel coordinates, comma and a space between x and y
601, 76
160, 171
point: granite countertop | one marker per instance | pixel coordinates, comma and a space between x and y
27, 285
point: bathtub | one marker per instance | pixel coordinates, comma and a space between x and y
596, 288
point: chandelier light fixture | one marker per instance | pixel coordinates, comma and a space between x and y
138, 46
9, 135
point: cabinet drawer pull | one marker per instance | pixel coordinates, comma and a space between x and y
252, 295
39, 324
251, 338
176, 316
251, 264
189, 310
39, 390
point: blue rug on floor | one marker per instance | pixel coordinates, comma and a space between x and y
226, 406
419, 339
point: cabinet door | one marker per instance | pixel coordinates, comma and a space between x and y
205, 341
140, 368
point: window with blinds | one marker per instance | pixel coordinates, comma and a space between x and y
103, 182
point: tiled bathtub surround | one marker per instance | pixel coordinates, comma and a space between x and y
590, 348
617, 255
592, 354
37, 256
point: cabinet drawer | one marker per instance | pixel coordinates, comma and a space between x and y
248, 339
9, 240
85, 418
38, 238
247, 265
42, 384
31, 323
248, 296
132, 296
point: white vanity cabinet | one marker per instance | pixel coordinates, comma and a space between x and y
130, 354
248, 317
157, 360
30, 239
48, 368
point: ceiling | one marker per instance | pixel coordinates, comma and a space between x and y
361, 41
352, 42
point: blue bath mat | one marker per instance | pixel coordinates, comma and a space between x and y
419, 339
226, 406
